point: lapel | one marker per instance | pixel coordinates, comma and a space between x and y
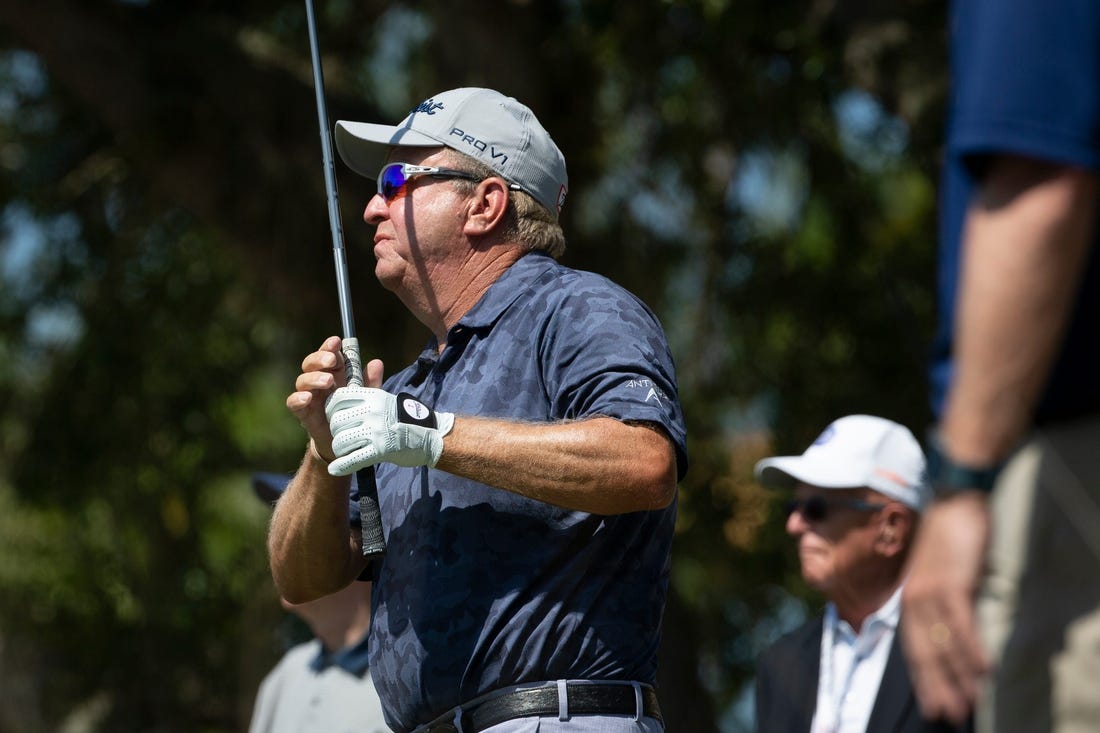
787, 679
894, 704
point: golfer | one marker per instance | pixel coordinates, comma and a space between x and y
526, 461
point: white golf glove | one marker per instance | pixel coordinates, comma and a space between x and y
372, 426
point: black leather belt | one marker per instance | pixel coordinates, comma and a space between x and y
583, 699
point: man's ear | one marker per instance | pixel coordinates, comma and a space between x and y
487, 207
895, 530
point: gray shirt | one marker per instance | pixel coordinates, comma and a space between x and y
303, 695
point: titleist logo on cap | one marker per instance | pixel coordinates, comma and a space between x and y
428, 107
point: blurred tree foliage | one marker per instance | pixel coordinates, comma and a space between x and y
761, 173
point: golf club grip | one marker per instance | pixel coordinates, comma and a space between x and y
353, 361
370, 514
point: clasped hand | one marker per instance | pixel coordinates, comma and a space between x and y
372, 426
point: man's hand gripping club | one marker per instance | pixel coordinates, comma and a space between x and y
372, 426
356, 427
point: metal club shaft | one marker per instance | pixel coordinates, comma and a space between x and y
353, 360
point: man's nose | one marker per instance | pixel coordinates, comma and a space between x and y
796, 523
376, 210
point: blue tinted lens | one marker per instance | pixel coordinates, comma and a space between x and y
391, 180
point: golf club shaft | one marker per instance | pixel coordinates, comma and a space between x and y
370, 515
353, 361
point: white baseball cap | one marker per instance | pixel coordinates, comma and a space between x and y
855, 451
482, 123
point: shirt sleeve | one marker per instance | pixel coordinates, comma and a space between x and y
605, 353
1016, 91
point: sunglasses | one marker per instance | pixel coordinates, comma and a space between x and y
817, 508
392, 178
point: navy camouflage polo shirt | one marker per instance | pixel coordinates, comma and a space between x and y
481, 588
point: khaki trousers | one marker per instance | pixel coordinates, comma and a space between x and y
1039, 608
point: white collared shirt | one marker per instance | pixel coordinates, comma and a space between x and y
852, 666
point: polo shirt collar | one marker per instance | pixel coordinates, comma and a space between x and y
352, 659
500, 295
885, 618
508, 287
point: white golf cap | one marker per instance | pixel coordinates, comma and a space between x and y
855, 451
482, 123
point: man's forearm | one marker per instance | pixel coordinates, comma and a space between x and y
599, 465
1025, 245
312, 549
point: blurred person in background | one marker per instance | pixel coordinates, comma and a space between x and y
323, 685
857, 497
1003, 602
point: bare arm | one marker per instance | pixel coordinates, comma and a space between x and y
312, 548
599, 465
1026, 241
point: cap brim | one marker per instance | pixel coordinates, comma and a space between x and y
270, 486
786, 472
362, 145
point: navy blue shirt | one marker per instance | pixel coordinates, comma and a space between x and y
482, 588
1026, 81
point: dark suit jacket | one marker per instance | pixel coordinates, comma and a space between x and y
786, 688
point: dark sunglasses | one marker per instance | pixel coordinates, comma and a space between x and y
392, 178
817, 508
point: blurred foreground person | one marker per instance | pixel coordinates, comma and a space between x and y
526, 463
323, 685
858, 494
1003, 600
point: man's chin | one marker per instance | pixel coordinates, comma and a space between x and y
815, 577
387, 277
